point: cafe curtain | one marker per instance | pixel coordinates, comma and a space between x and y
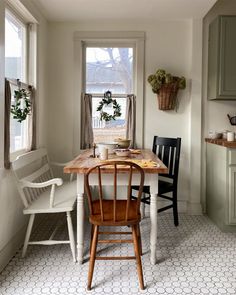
131, 119
7, 163
86, 122
31, 124
32, 121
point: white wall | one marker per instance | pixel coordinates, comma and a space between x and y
215, 112
12, 221
168, 45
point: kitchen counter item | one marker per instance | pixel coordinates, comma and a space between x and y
230, 136
232, 120
215, 135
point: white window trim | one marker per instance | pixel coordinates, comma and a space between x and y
17, 9
137, 38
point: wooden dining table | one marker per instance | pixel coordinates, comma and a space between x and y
151, 165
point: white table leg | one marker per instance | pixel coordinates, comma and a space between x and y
142, 210
80, 217
153, 218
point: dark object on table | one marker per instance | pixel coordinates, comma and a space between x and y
114, 212
168, 150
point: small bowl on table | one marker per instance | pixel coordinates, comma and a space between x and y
122, 152
122, 143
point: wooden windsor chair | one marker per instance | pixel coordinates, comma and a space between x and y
115, 212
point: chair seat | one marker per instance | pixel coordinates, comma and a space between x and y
164, 187
65, 197
133, 218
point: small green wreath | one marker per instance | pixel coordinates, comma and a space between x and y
105, 102
22, 106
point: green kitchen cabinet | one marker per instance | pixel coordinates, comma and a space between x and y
222, 58
221, 186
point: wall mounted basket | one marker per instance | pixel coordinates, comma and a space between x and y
167, 96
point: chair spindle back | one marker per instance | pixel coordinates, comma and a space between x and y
117, 167
168, 150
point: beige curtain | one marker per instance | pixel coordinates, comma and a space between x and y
7, 163
32, 121
31, 145
86, 122
131, 118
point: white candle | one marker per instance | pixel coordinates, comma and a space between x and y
230, 136
104, 154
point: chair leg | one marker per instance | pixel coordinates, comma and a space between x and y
139, 240
137, 255
92, 256
175, 209
71, 235
91, 237
28, 233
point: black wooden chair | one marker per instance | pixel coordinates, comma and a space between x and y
168, 150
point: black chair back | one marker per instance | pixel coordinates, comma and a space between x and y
168, 150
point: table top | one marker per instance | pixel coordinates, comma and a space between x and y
146, 159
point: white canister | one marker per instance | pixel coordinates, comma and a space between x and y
230, 136
104, 153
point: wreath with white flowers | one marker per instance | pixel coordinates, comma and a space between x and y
22, 106
107, 100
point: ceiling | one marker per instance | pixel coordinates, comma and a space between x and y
116, 10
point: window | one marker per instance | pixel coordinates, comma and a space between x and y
109, 68
16, 68
83, 41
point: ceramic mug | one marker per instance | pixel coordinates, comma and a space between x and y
230, 136
104, 153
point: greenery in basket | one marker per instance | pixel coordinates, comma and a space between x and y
162, 78
22, 106
107, 100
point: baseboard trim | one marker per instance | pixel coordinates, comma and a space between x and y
10, 249
194, 209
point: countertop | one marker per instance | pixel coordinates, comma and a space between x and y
222, 142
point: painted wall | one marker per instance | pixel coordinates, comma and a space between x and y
168, 45
214, 112
12, 221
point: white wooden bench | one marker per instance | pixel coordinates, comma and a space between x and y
41, 193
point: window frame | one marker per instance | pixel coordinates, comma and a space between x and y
100, 37
30, 53
100, 44
13, 17
22, 22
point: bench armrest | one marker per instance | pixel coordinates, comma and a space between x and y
53, 181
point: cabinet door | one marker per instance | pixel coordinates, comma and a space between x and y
227, 74
222, 58
232, 195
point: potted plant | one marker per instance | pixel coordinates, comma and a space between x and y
166, 87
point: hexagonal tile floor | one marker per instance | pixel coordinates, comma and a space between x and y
193, 258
